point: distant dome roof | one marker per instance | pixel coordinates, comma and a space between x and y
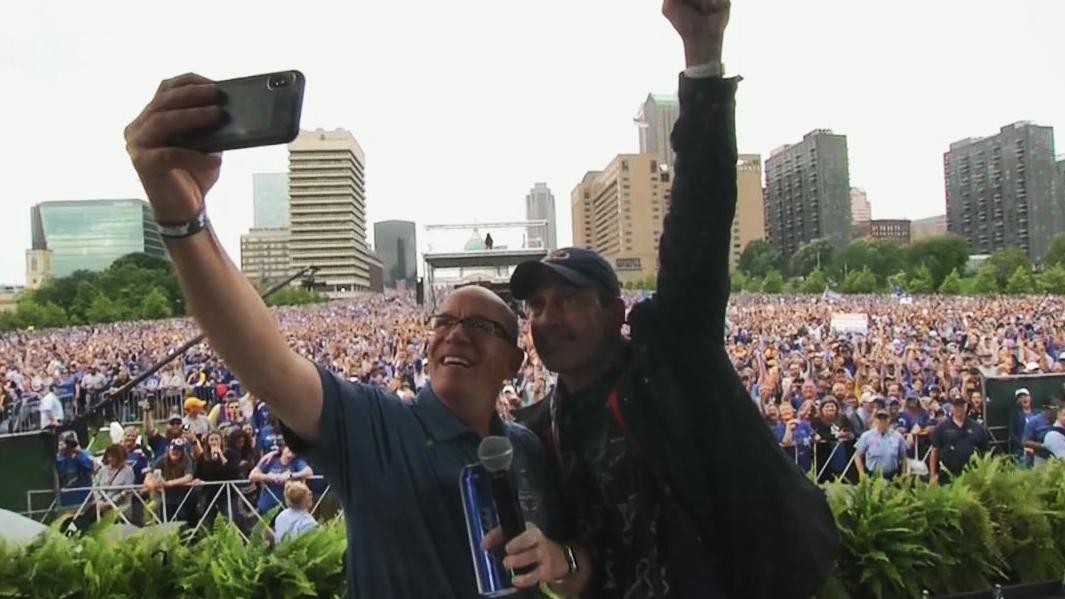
475, 242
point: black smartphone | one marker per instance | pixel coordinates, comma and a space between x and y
261, 110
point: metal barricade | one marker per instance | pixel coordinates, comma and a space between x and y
138, 507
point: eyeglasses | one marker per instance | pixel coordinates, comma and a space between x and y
473, 325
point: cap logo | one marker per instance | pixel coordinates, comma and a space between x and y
558, 255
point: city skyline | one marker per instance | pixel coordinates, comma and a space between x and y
554, 132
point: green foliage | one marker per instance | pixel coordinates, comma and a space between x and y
793, 285
1056, 253
1006, 262
860, 281
738, 281
939, 254
773, 283
1052, 280
295, 296
1020, 282
758, 258
952, 284
921, 281
817, 253
985, 281
815, 282
136, 286
880, 256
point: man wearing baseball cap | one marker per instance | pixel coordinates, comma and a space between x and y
195, 419
1037, 427
1019, 418
673, 482
954, 441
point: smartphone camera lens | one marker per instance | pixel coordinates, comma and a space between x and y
277, 82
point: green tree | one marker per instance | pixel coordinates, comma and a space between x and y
1005, 263
817, 253
985, 281
952, 284
102, 309
939, 254
860, 281
295, 296
815, 282
142, 261
86, 292
738, 281
1056, 253
921, 281
881, 256
753, 285
1020, 282
63, 291
155, 304
758, 258
1052, 280
31, 313
773, 283
898, 280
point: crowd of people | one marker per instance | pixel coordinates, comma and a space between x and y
849, 402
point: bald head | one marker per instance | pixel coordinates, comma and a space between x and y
479, 301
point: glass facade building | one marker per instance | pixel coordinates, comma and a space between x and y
270, 200
91, 234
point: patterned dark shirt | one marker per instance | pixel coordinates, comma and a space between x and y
642, 544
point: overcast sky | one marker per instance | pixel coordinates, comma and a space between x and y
461, 106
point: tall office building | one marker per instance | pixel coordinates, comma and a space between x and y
618, 212
808, 192
861, 209
540, 205
925, 228
655, 122
396, 244
327, 207
264, 255
91, 234
1000, 190
270, 200
749, 223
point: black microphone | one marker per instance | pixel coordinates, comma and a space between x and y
496, 455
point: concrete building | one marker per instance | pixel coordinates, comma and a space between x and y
327, 209
396, 244
39, 268
90, 234
264, 255
618, 212
655, 121
925, 228
861, 209
749, 223
270, 200
1000, 190
808, 192
886, 228
540, 205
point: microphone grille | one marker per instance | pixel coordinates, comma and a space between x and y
495, 453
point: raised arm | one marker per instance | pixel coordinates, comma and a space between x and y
237, 322
693, 277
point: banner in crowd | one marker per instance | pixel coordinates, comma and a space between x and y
856, 322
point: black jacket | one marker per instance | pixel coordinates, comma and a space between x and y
687, 413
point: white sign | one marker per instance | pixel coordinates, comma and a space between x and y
850, 323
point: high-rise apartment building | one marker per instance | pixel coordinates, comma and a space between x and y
396, 244
327, 208
808, 192
925, 228
91, 234
749, 223
270, 200
1000, 190
655, 122
540, 205
618, 212
861, 209
264, 255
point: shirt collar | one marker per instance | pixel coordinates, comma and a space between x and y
441, 422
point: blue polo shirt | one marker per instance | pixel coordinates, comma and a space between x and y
1035, 429
882, 453
395, 468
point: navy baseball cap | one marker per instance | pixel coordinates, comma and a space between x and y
577, 266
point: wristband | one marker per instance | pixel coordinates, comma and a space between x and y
181, 230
